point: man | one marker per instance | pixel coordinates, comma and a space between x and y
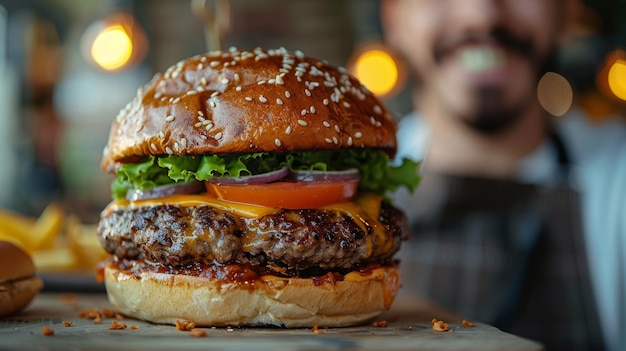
498, 220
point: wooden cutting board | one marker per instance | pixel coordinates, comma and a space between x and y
408, 328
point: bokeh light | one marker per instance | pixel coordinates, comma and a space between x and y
112, 48
555, 94
617, 78
377, 69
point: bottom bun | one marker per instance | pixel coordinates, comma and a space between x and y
15, 295
285, 302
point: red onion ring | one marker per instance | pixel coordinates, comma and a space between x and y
165, 190
262, 178
325, 176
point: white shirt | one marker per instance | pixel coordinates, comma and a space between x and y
598, 156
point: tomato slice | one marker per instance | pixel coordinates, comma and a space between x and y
289, 195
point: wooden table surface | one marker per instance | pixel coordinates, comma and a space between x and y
408, 328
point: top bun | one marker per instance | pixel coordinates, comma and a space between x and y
249, 101
15, 263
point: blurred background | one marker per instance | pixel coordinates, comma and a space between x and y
67, 67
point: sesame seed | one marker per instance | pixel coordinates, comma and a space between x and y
261, 82
307, 92
208, 126
262, 99
326, 124
200, 118
279, 101
299, 79
337, 129
373, 120
325, 101
214, 63
199, 124
192, 92
161, 135
312, 109
203, 59
226, 64
203, 137
349, 141
238, 88
282, 74
328, 140
358, 135
200, 66
153, 147
271, 81
158, 95
299, 54
248, 98
335, 140
378, 110
300, 69
212, 103
218, 136
346, 104
303, 112
287, 94
207, 122
169, 150
183, 142
169, 118
288, 130
200, 113
215, 93
225, 81
279, 80
299, 73
236, 77
175, 101
329, 84
176, 147
302, 122
277, 142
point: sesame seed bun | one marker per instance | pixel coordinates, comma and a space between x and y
249, 101
18, 284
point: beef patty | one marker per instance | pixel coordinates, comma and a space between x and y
287, 241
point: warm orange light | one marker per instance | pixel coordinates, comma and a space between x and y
112, 48
377, 69
617, 78
114, 43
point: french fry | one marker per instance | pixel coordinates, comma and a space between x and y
48, 227
56, 259
16, 228
56, 241
84, 243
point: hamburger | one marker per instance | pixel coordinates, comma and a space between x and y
250, 190
18, 283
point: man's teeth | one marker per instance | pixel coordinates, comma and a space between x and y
481, 59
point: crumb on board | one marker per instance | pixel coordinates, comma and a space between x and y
67, 323
467, 324
115, 325
380, 324
47, 331
316, 330
198, 333
439, 326
185, 325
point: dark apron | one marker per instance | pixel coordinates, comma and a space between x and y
508, 254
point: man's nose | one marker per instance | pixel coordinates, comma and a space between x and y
477, 15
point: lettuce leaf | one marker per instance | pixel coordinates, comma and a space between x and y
377, 173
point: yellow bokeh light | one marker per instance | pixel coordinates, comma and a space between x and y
617, 79
377, 70
112, 48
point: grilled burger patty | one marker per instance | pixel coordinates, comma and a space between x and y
288, 241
